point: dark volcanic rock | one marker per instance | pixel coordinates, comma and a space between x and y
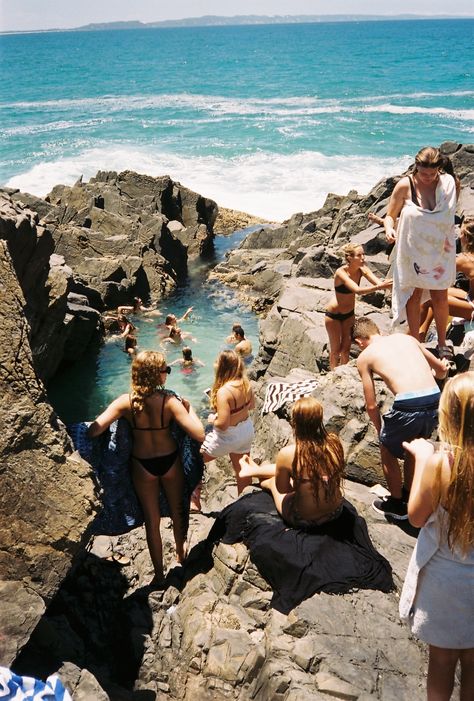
46, 500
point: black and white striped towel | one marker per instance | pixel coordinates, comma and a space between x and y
279, 393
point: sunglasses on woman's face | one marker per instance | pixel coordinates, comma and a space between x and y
166, 370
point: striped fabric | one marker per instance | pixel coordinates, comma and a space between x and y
13, 687
280, 393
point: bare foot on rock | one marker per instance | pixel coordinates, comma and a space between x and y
182, 555
246, 469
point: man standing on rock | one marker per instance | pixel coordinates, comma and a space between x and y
409, 371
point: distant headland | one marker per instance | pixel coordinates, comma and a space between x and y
238, 20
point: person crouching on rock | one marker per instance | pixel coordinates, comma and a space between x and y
232, 434
156, 463
341, 308
407, 369
306, 480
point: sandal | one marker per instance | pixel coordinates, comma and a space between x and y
117, 559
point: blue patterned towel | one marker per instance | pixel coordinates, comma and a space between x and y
16, 688
109, 455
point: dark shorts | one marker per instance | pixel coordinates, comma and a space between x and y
409, 419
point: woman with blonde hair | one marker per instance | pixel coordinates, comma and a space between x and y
232, 434
437, 599
340, 311
149, 409
306, 480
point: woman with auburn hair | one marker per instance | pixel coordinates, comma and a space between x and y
149, 409
340, 311
232, 434
425, 250
437, 599
306, 481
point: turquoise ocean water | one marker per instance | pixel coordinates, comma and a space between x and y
267, 119
262, 118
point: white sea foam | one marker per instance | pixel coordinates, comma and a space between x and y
217, 104
274, 186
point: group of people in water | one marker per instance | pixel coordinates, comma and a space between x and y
435, 490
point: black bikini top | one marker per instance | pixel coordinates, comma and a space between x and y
414, 196
343, 290
148, 428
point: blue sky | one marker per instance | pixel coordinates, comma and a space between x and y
44, 14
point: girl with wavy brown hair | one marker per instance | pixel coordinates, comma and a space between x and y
437, 598
156, 463
306, 480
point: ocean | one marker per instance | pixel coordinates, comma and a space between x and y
265, 119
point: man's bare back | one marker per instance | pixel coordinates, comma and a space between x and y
402, 363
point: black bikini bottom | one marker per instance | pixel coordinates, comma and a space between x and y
340, 317
159, 465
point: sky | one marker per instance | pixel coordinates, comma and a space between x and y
24, 15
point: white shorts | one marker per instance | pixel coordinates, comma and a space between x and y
235, 439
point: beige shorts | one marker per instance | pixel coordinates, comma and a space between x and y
235, 439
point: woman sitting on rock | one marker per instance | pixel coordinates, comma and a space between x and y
231, 399
306, 481
155, 460
341, 308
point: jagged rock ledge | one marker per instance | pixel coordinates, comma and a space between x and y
212, 636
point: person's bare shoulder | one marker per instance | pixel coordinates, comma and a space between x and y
286, 455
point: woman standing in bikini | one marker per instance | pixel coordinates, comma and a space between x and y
306, 481
155, 461
339, 316
231, 399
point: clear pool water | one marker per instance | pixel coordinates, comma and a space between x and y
80, 392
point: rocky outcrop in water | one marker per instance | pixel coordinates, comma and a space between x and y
212, 634
94, 246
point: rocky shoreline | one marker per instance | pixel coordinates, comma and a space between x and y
212, 634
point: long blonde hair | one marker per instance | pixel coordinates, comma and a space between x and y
146, 377
318, 454
229, 367
456, 427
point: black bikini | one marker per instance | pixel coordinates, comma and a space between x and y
343, 290
340, 317
337, 316
160, 464
414, 196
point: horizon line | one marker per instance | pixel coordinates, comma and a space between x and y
157, 24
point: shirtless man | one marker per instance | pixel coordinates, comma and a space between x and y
243, 346
409, 371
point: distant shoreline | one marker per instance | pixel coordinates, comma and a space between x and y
238, 21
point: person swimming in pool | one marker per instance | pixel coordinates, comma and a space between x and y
188, 362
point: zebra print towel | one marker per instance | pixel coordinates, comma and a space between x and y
279, 393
